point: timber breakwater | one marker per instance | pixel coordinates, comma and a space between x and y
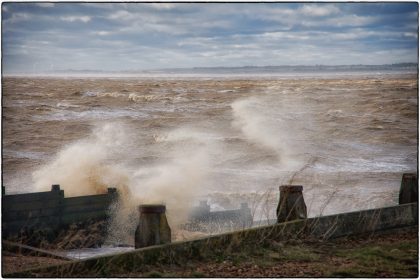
325, 227
44, 213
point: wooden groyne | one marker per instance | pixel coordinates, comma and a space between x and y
324, 227
50, 211
226, 219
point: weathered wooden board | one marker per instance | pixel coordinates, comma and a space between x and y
51, 210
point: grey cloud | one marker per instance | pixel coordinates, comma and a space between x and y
115, 36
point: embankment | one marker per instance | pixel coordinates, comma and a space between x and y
326, 227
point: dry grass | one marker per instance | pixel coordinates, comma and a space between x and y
13, 262
392, 254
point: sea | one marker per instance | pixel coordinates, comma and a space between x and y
220, 135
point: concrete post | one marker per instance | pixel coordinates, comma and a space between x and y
408, 189
291, 205
153, 228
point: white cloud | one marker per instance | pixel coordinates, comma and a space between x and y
133, 17
286, 35
410, 34
320, 10
76, 18
161, 6
350, 20
186, 22
122, 15
16, 17
310, 14
102, 33
45, 4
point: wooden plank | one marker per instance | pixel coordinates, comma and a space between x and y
31, 205
11, 215
409, 188
86, 208
90, 199
49, 210
77, 203
26, 214
33, 221
26, 197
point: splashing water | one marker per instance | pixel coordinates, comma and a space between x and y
82, 168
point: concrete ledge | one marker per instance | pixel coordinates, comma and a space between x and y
321, 227
363, 221
30, 251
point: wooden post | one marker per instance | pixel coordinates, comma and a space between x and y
408, 189
203, 208
113, 194
291, 204
56, 190
153, 228
246, 215
112, 190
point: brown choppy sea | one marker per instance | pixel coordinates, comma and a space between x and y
346, 139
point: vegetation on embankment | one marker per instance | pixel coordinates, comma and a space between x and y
392, 253
250, 246
387, 254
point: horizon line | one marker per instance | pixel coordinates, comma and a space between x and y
400, 64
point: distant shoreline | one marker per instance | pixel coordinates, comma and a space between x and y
239, 71
221, 76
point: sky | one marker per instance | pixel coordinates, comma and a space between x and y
46, 37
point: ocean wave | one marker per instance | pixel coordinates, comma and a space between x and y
134, 97
97, 114
24, 154
66, 105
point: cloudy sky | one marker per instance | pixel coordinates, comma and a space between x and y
40, 37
